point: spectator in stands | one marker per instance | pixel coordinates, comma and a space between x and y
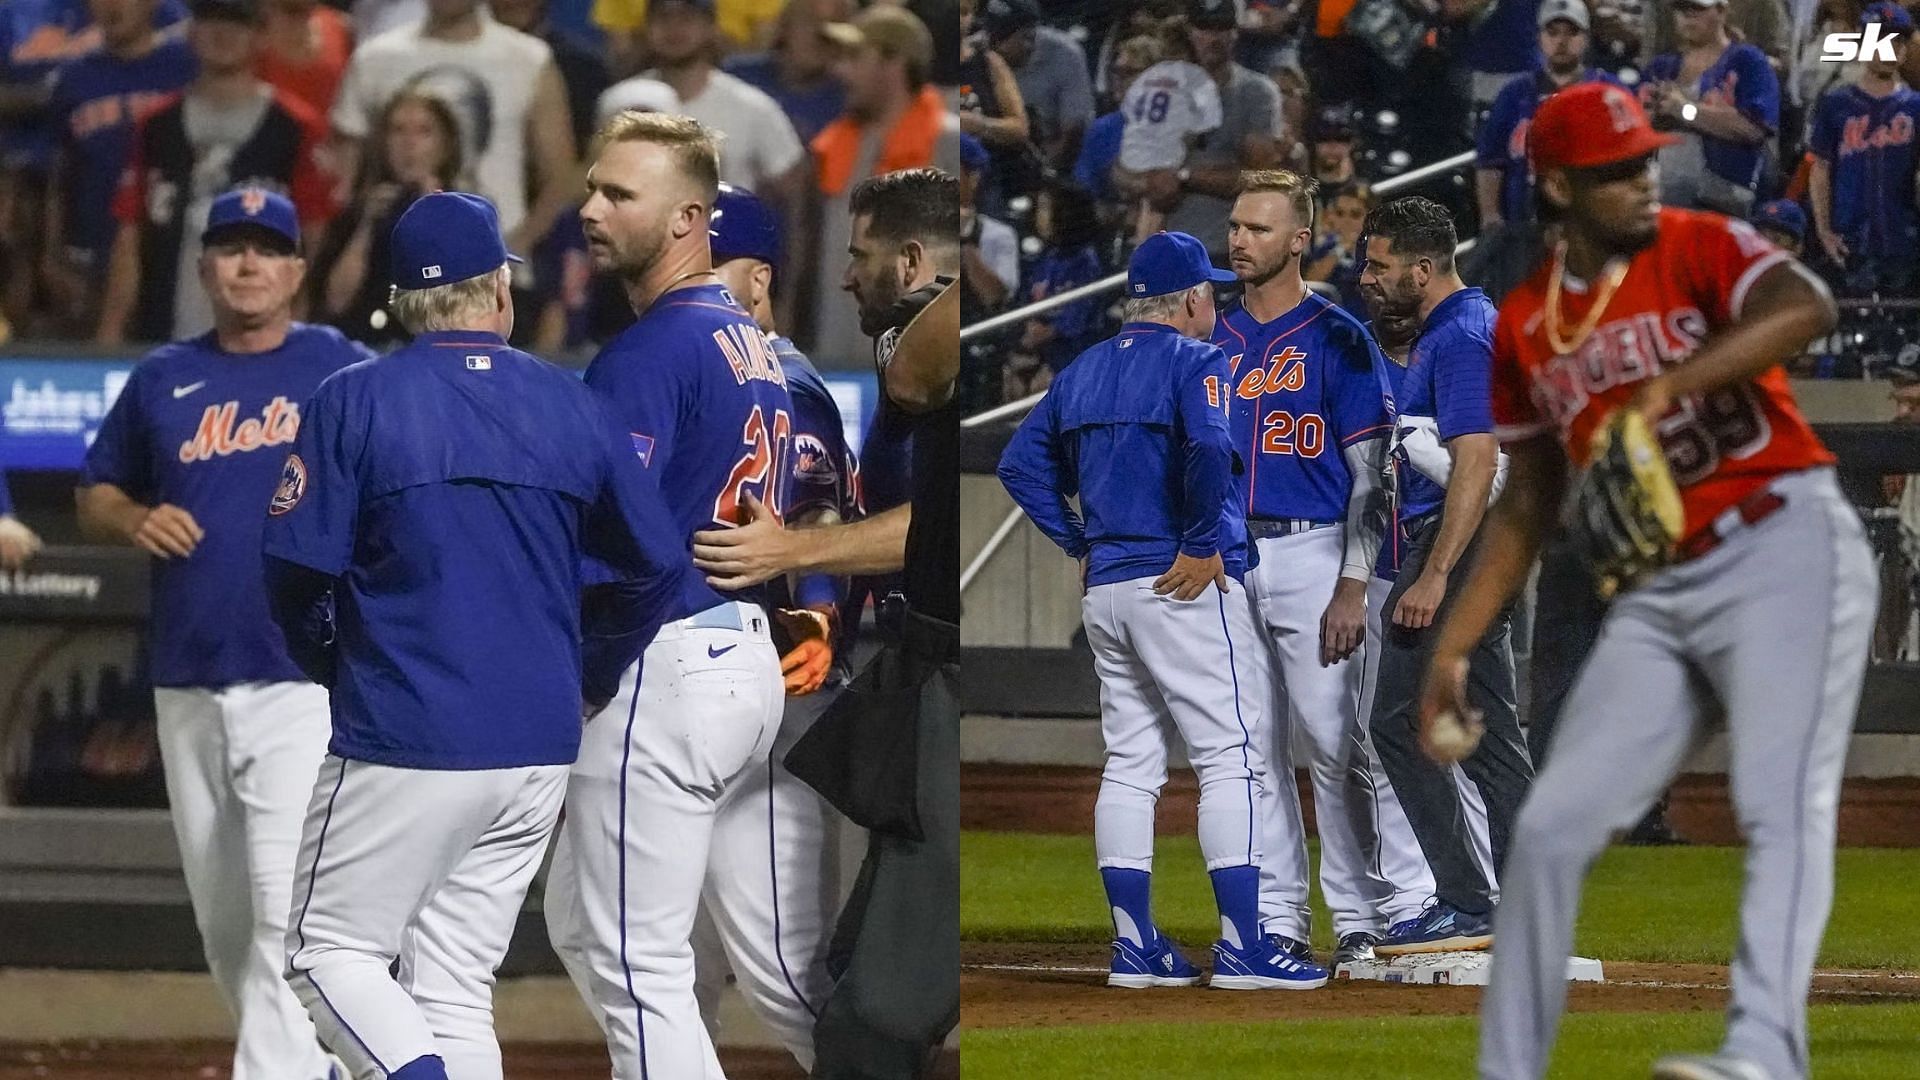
797, 69
1812, 76
744, 24
1499, 45
36, 38
1783, 222
894, 120
581, 68
1132, 19
1723, 99
991, 107
1503, 182
1067, 223
503, 87
1335, 256
639, 92
416, 149
228, 129
1100, 149
1169, 110
761, 153
1332, 158
1619, 39
1249, 136
989, 249
1051, 70
96, 101
1863, 185
304, 49
1267, 33
1764, 24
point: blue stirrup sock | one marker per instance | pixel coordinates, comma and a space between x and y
1236, 891
1127, 899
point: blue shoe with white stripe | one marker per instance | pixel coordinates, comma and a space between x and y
1138, 969
1263, 966
1440, 928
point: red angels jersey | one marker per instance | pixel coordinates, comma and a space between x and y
1684, 287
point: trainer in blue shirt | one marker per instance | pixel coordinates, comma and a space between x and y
424, 551
1136, 427
1445, 461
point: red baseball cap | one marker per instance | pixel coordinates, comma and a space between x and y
1591, 124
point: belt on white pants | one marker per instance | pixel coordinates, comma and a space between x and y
737, 615
1268, 528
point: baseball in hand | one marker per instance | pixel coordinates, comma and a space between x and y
1451, 737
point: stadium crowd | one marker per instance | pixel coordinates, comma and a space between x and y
121, 120
1091, 124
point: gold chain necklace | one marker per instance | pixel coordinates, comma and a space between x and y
1611, 277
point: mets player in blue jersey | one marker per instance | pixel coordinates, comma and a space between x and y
776, 838
1136, 428
185, 461
696, 712
424, 557
1864, 185
1503, 182
1445, 462
1309, 418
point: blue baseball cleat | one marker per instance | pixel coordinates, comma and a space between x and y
1265, 966
1439, 928
1138, 969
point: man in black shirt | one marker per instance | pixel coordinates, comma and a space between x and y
887, 752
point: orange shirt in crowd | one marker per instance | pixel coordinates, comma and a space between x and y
314, 81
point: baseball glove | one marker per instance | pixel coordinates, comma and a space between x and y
1625, 512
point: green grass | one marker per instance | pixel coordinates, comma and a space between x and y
1672, 905
1850, 1042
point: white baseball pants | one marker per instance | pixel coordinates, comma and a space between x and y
240, 764
691, 727
428, 867
1171, 669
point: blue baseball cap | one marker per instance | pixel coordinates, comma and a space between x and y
1783, 215
445, 237
1889, 15
252, 208
973, 154
1171, 262
743, 227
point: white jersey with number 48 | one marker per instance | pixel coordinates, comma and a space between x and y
1169, 103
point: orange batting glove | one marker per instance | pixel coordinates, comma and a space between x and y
805, 666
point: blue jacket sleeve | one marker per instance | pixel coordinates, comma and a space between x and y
300, 599
1035, 471
1757, 94
1206, 451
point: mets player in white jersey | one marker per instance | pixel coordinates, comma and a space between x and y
184, 463
776, 842
1136, 428
695, 713
1685, 317
1309, 417
423, 556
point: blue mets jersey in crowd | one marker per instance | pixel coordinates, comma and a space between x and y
449, 490
823, 473
1502, 143
1449, 378
97, 99
207, 431
36, 38
1304, 389
1743, 78
1868, 142
1137, 429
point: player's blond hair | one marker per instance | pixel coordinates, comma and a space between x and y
447, 307
1299, 190
694, 147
